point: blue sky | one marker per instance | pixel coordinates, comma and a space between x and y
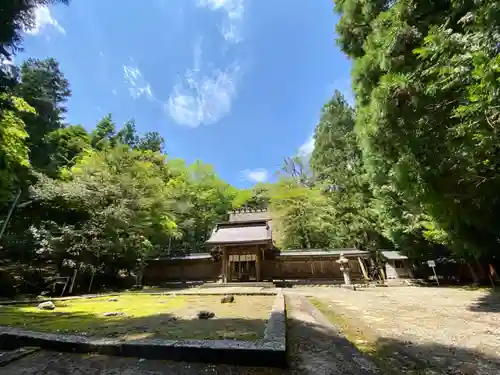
238, 84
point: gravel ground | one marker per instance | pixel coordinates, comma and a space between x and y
456, 330
316, 347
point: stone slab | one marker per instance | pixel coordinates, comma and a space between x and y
348, 286
7, 357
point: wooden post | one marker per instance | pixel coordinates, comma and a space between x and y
313, 273
91, 280
224, 264
257, 263
9, 214
363, 269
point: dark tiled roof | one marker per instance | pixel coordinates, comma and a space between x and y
186, 257
393, 255
245, 215
255, 231
321, 252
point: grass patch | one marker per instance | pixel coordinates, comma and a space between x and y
385, 355
147, 316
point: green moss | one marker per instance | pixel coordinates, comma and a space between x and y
83, 315
144, 316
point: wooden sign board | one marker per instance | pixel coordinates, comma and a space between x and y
432, 264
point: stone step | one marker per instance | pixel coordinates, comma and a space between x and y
248, 284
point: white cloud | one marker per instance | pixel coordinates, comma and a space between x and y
307, 147
138, 85
43, 19
202, 98
233, 21
114, 92
256, 175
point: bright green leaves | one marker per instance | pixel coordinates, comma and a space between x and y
302, 216
14, 152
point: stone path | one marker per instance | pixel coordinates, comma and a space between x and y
316, 347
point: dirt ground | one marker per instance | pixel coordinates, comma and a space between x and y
148, 316
52, 363
445, 330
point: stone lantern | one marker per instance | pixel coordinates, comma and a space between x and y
344, 267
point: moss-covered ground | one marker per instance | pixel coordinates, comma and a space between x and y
147, 316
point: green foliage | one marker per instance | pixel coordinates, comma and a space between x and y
338, 170
427, 83
121, 204
256, 197
13, 148
16, 17
151, 141
104, 135
302, 217
65, 146
43, 86
202, 199
128, 134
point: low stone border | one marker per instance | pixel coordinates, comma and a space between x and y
271, 292
275, 332
14, 355
270, 351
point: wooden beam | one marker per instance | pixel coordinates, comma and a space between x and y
363, 269
257, 263
224, 264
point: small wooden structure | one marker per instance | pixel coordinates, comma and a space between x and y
397, 265
243, 246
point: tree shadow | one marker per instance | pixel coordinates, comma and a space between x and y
163, 325
489, 302
391, 356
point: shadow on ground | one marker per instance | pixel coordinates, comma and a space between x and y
389, 356
157, 326
490, 302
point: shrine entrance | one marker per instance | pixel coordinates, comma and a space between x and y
242, 268
242, 245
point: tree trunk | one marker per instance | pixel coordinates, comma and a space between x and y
9, 214
138, 279
91, 280
480, 269
475, 278
75, 272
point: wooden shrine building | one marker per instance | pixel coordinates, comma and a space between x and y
243, 243
242, 249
